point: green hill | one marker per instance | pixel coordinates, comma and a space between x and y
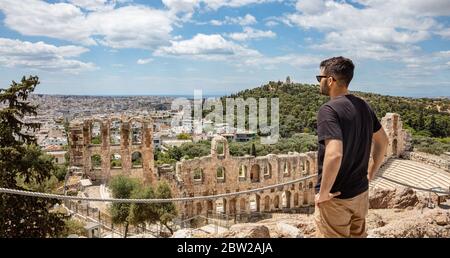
426, 118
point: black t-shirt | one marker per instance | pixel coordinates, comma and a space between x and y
350, 119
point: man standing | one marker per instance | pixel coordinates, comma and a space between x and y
346, 126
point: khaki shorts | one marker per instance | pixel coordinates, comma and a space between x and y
342, 217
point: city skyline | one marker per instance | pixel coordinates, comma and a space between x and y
130, 48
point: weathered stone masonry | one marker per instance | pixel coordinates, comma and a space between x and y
216, 173
82, 148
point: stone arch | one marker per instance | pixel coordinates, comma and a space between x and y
115, 128
242, 171
220, 173
254, 202
286, 168
221, 205
232, 204
242, 205
115, 161
310, 185
300, 186
305, 200
254, 173
198, 174
219, 147
136, 131
308, 167
209, 206
136, 159
286, 199
96, 161
296, 200
276, 202
96, 132
267, 171
267, 203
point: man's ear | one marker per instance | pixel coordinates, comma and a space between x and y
329, 81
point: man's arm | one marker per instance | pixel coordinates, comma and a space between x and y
331, 165
380, 143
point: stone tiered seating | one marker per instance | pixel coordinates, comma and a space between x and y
411, 173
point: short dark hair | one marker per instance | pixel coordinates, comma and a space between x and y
339, 67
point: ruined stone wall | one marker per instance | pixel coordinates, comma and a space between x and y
217, 173
115, 138
399, 138
220, 173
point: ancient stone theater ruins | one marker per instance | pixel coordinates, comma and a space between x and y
107, 146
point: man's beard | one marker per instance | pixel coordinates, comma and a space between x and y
325, 90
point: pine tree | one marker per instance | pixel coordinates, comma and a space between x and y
21, 160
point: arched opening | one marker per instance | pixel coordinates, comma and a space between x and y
254, 173
300, 186
114, 132
308, 169
136, 132
242, 207
267, 203
220, 149
136, 159
254, 202
295, 199
286, 199
286, 168
96, 132
221, 205
242, 171
267, 171
199, 208
276, 202
209, 206
116, 161
394, 147
233, 206
96, 162
220, 173
198, 174
305, 200
310, 185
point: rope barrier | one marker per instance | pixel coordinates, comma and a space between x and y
181, 199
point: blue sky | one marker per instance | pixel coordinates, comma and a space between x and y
131, 47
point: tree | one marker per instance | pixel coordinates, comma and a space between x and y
253, 150
22, 164
122, 187
166, 211
140, 213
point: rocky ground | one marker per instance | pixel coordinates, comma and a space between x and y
392, 213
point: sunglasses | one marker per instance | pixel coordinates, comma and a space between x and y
319, 77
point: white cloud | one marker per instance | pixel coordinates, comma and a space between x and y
144, 28
248, 19
124, 27
209, 47
178, 6
215, 47
250, 33
42, 56
378, 30
144, 61
310, 6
